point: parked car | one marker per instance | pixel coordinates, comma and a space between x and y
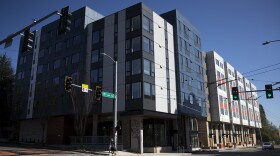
267, 145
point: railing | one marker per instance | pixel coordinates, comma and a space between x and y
93, 140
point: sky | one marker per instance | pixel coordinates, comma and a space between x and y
235, 29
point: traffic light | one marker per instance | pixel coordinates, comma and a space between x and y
98, 93
64, 21
68, 83
235, 94
269, 91
28, 41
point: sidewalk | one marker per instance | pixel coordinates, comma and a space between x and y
123, 153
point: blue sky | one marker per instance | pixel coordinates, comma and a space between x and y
235, 29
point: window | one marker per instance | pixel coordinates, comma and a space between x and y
186, 32
40, 69
191, 99
127, 92
56, 81
127, 68
148, 45
56, 64
217, 62
147, 89
75, 77
95, 37
76, 39
76, 58
221, 65
58, 46
20, 75
135, 44
136, 90
41, 53
94, 76
136, 67
135, 23
147, 67
100, 74
22, 60
95, 56
147, 24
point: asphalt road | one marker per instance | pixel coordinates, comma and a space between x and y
242, 152
32, 150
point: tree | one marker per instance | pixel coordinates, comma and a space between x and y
269, 132
6, 81
82, 105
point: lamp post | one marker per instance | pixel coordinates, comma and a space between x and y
116, 100
267, 42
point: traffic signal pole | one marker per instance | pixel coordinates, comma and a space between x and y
10, 37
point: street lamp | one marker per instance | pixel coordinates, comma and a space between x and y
116, 104
267, 42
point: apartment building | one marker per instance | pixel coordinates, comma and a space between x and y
233, 122
143, 44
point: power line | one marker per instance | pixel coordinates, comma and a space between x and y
260, 68
264, 72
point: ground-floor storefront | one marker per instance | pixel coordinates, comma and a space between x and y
226, 135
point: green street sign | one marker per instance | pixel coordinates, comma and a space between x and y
108, 95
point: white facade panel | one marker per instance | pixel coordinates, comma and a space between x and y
33, 75
172, 78
160, 60
221, 88
242, 99
231, 82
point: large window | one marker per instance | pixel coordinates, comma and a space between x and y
133, 45
94, 56
39, 69
76, 58
147, 89
136, 44
136, 90
149, 68
95, 37
136, 67
94, 76
133, 23
148, 45
147, 24
56, 64
76, 39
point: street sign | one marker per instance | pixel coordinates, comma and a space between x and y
85, 88
108, 95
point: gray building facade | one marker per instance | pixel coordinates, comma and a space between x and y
189, 77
